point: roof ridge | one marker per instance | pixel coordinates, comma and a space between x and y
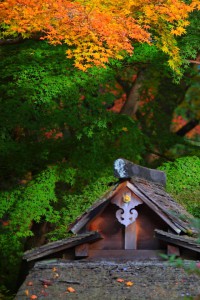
126, 169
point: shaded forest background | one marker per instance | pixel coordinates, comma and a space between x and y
62, 128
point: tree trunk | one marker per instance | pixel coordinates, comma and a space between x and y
131, 104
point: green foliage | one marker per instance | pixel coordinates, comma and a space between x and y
43, 96
72, 205
50, 197
189, 43
183, 182
42, 92
144, 53
5, 294
32, 84
23, 206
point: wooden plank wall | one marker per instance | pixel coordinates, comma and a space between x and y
113, 232
109, 228
146, 222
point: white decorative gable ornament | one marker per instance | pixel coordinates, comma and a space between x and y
126, 215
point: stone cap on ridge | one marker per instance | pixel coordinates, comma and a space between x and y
126, 169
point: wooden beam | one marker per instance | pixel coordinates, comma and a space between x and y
125, 254
172, 249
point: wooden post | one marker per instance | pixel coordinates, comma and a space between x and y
81, 250
173, 250
130, 237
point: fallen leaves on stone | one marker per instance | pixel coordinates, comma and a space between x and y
127, 283
120, 280
71, 290
33, 297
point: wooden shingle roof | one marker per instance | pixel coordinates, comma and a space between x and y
155, 196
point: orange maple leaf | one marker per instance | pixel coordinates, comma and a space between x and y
120, 280
71, 290
129, 283
97, 32
33, 297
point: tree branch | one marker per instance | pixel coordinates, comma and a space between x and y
11, 41
187, 127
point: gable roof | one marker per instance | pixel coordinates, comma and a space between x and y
152, 194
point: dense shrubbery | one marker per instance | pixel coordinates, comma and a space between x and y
183, 182
19, 209
49, 197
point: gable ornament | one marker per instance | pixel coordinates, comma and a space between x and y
126, 215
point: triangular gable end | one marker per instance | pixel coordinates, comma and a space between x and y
152, 195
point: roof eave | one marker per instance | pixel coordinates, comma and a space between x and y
60, 245
182, 241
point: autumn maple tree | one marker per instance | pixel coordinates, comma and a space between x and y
58, 127
98, 30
